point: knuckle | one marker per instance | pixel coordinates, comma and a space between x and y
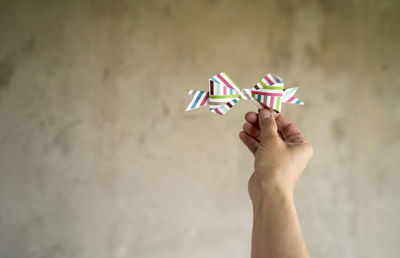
309, 149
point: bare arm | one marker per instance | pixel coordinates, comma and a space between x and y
281, 153
276, 229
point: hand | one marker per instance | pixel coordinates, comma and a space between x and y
281, 153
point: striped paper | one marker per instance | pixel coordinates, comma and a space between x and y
223, 94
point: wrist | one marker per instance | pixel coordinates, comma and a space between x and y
273, 201
271, 192
276, 181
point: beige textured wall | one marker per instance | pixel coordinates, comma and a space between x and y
98, 159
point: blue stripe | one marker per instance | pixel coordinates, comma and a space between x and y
298, 102
259, 97
234, 100
197, 99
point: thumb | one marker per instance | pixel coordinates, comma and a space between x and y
269, 129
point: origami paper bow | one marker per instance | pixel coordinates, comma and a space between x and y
224, 93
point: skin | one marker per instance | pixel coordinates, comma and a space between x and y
281, 153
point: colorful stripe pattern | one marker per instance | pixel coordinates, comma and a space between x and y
268, 92
288, 96
223, 94
199, 99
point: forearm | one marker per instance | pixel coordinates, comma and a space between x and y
276, 228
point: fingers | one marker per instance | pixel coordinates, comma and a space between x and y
252, 118
288, 130
267, 125
249, 141
252, 130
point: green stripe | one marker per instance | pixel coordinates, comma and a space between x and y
270, 87
231, 80
273, 88
278, 101
223, 96
262, 84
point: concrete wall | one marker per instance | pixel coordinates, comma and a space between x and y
98, 159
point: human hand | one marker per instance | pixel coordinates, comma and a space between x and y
281, 153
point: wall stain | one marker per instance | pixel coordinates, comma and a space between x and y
191, 117
338, 130
62, 139
106, 74
285, 7
109, 9
7, 68
327, 7
167, 10
213, 2
7, 65
279, 46
142, 139
337, 6
313, 55
334, 49
29, 46
330, 96
165, 109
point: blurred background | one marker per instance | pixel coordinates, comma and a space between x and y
99, 159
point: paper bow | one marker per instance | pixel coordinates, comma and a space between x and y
224, 93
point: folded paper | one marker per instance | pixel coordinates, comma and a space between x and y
223, 94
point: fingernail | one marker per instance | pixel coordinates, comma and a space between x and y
265, 114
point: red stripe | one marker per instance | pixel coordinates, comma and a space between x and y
224, 90
271, 103
224, 81
266, 93
290, 100
268, 80
204, 100
212, 87
262, 104
217, 111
